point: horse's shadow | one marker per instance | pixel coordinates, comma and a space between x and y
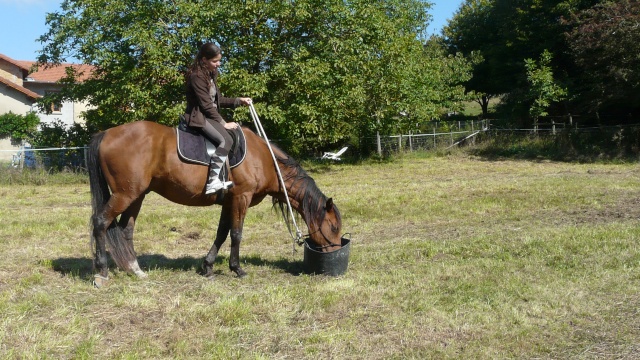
83, 267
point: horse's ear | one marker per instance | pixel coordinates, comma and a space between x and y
329, 205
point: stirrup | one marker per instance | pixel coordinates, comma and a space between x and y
216, 185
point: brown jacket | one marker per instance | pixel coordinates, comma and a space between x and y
200, 105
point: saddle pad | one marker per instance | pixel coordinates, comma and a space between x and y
192, 147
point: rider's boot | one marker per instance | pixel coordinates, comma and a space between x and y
215, 166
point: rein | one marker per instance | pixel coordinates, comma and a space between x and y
297, 238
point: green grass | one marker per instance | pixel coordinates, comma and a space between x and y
452, 256
12, 176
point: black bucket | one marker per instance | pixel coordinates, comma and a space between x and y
332, 263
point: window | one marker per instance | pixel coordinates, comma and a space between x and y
54, 107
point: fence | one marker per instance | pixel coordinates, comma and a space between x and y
444, 134
623, 137
73, 158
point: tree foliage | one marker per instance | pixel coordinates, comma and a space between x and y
320, 71
505, 33
469, 33
58, 135
543, 89
605, 42
18, 127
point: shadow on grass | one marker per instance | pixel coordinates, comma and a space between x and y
291, 267
80, 267
83, 267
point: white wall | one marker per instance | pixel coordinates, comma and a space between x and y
16, 102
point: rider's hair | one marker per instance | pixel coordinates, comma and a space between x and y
207, 51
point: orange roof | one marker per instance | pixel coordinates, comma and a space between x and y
19, 88
49, 73
52, 74
44, 74
17, 63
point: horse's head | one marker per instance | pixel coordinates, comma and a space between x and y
325, 232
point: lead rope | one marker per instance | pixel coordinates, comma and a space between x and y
261, 133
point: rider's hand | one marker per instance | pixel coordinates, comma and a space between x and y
231, 125
246, 101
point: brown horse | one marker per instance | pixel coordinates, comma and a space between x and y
128, 161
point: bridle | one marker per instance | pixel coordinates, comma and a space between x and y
323, 246
327, 239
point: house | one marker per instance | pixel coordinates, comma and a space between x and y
21, 85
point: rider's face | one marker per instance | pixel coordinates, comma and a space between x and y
213, 63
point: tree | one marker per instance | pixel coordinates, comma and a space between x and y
505, 33
543, 89
605, 42
468, 33
319, 71
18, 127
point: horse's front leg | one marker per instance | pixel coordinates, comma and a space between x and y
239, 208
221, 235
234, 258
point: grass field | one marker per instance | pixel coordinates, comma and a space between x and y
452, 257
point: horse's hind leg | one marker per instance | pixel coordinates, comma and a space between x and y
104, 229
100, 261
127, 224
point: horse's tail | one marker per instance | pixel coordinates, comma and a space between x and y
99, 189
121, 250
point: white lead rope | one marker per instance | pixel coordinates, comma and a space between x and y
261, 133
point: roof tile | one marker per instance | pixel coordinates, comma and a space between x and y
49, 73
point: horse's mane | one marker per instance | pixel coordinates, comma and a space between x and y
307, 192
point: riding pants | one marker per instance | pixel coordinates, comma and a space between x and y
217, 133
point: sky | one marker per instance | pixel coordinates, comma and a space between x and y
22, 22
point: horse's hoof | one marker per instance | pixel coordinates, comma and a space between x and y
206, 272
100, 281
135, 269
141, 274
241, 273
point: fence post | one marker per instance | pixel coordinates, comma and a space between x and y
22, 159
434, 138
410, 141
86, 164
400, 143
379, 145
553, 126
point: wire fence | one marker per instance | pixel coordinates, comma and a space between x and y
72, 158
444, 134
464, 132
